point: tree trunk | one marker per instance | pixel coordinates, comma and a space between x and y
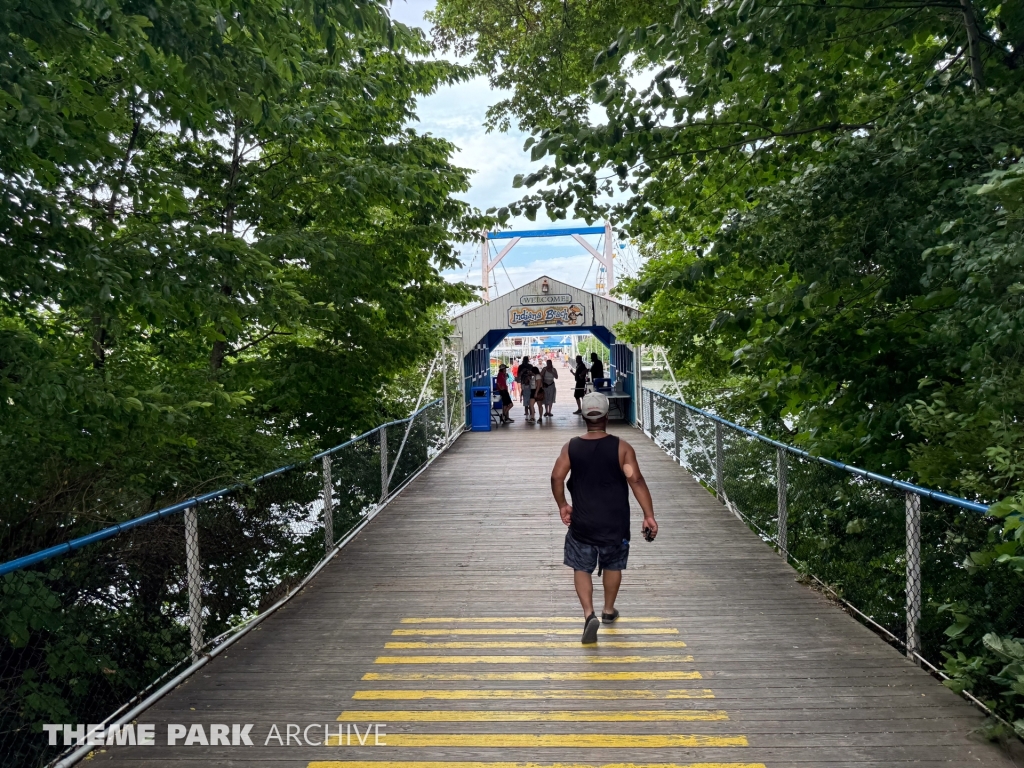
220, 348
99, 333
99, 336
125, 161
973, 45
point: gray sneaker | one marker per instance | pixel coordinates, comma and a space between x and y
590, 630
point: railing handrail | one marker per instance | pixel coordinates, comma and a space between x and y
118, 528
902, 485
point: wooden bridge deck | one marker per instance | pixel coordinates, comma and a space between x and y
451, 620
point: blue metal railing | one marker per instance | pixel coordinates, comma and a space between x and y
902, 485
118, 528
869, 540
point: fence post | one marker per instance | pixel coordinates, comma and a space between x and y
913, 506
782, 539
383, 462
328, 507
650, 412
675, 432
719, 485
444, 391
193, 576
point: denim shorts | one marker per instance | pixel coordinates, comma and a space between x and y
585, 557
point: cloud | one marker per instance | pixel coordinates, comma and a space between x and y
457, 113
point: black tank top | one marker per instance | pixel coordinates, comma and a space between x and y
600, 496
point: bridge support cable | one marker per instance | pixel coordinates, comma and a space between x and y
679, 393
412, 421
846, 529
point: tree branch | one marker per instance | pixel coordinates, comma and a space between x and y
974, 45
260, 340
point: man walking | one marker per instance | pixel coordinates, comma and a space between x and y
580, 374
603, 468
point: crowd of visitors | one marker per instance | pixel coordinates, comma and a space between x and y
536, 385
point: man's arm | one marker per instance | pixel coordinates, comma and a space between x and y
558, 474
631, 469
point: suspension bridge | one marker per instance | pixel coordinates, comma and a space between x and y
451, 621
400, 602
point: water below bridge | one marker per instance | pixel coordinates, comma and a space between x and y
451, 620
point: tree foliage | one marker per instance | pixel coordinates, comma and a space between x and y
542, 52
220, 239
830, 198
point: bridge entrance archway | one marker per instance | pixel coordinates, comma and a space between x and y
541, 307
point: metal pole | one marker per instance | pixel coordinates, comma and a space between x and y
426, 437
609, 256
719, 485
384, 477
444, 389
328, 507
485, 269
193, 575
913, 506
675, 431
782, 539
638, 384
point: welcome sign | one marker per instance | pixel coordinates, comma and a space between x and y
557, 315
555, 298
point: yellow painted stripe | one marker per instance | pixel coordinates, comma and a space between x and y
533, 659
452, 676
475, 764
532, 716
529, 631
521, 693
523, 620
553, 740
485, 644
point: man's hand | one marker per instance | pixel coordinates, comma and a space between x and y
650, 522
565, 512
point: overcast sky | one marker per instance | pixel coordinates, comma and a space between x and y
457, 113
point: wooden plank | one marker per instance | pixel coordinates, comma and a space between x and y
476, 544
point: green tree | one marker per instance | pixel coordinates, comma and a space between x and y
222, 244
221, 240
828, 195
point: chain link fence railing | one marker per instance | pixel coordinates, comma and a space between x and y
897, 555
98, 627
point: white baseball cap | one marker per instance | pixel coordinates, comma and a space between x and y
595, 406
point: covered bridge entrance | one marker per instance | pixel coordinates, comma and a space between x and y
544, 306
